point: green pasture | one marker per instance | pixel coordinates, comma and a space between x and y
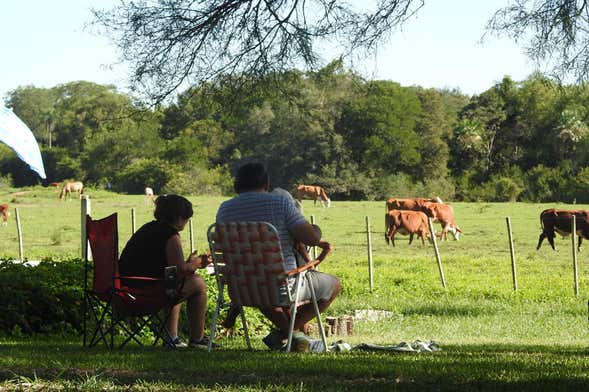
492, 337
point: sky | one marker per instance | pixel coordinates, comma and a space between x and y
44, 43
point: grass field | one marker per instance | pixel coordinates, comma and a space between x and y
492, 337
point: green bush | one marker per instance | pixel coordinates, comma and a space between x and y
154, 173
48, 299
547, 184
41, 299
200, 181
507, 189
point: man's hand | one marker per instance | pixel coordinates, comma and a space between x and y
326, 248
325, 245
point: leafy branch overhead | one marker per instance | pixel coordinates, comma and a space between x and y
175, 43
553, 32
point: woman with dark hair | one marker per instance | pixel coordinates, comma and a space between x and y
157, 245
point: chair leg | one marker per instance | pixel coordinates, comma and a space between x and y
317, 313
293, 311
245, 330
100, 333
220, 302
133, 331
162, 329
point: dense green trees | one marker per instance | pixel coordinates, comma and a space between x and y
526, 140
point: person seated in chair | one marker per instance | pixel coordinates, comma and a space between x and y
255, 203
157, 245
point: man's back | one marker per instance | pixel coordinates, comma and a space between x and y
265, 207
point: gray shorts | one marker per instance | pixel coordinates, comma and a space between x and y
323, 284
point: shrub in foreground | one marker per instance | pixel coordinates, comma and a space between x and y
46, 298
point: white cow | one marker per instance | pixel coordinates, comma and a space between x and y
149, 195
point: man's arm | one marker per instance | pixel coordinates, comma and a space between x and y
306, 233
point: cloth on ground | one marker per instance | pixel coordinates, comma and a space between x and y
416, 346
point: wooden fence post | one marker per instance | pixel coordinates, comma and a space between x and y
438, 259
313, 249
86, 210
19, 234
133, 220
191, 232
369, 242
574, 241
512, 253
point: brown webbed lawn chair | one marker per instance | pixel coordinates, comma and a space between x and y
248, 261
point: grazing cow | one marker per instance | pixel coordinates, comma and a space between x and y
443, 213
561, 222
5, 213
413, 204
69, 187
312, 192
406, 223
149, 195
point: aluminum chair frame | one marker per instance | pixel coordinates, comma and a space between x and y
230, 251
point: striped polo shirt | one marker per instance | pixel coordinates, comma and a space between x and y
265, 207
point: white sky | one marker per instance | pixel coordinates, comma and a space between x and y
44, 44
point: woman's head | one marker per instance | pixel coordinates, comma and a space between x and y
169, 208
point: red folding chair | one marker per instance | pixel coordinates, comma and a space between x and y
109, 303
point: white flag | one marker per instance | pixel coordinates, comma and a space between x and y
19, 137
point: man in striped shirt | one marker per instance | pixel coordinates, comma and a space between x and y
255, 203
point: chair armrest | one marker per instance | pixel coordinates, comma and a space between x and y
311, 264
302, 268
141, 278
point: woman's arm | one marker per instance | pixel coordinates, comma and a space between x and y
175, 256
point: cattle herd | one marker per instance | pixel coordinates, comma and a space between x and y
5, 213
407, 216
410, 217
312, 192
561, 222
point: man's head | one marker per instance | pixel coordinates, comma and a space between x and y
251, 177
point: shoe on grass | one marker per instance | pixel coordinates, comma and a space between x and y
301, 343
202, 344
274, 340
176, 342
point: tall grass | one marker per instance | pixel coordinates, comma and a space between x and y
492, 336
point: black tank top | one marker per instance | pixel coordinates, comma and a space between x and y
145, 253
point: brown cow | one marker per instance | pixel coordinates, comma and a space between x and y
443, 213
312, 192
561, 222
413, 204
5, 213
406, 223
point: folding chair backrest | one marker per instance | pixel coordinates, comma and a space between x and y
248, 259
103, 238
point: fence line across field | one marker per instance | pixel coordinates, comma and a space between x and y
436, 250
86, 210
574, 237
369, 246
511, 253
21, 256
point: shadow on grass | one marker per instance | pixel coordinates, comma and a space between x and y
472, 367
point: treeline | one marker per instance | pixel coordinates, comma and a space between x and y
360, 139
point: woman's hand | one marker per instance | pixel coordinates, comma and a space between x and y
199, 261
